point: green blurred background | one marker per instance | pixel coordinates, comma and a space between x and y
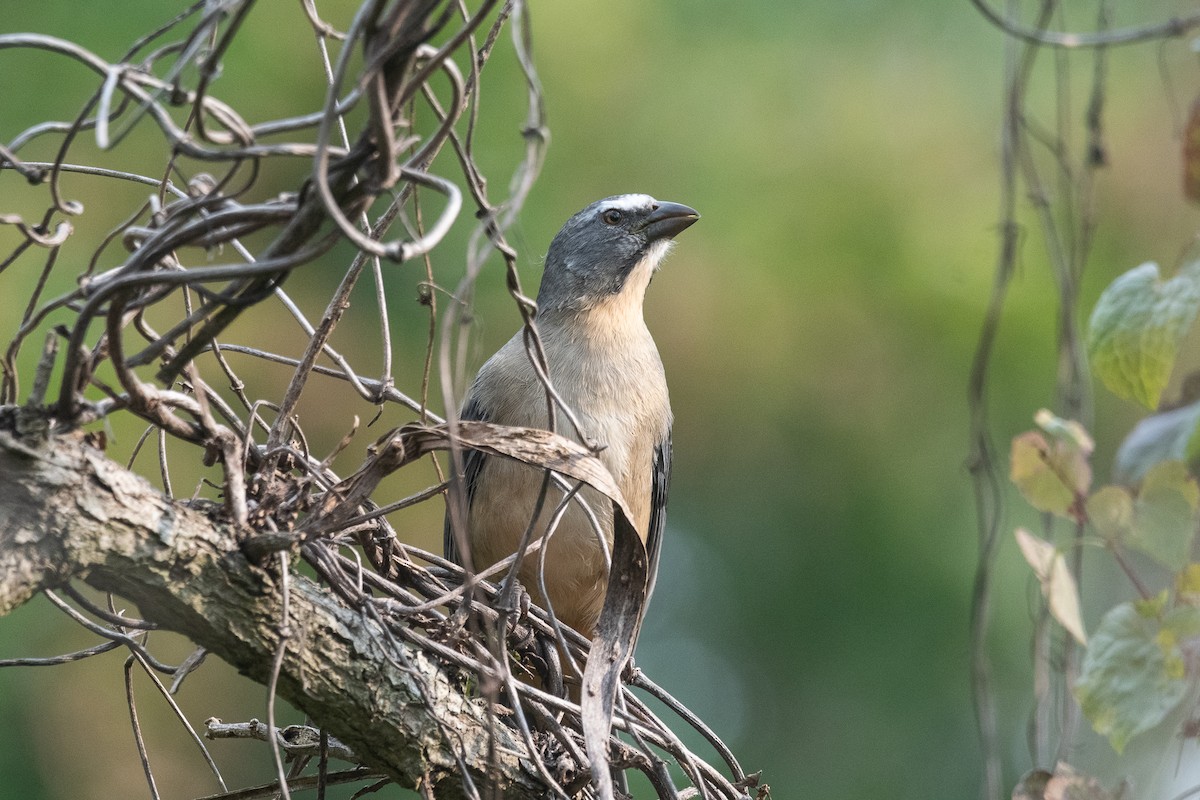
817, 328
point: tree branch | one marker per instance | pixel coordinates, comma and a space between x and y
70, 512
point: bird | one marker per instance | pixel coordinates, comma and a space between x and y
605, 366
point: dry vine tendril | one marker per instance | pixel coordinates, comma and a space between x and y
150, 332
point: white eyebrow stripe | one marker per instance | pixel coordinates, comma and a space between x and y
631, 202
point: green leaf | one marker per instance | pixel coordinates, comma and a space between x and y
1058, 584
1169, 436
1165, 515
1135, 330
1110, 510
1161, 521
1133, 673
1154, 606
1051, 475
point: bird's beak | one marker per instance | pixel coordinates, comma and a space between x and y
669, 220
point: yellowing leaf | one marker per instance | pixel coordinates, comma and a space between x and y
1068, 430
1065, 783
1050, 475
1135, 330
1187, 585
1057, 582
1032, 785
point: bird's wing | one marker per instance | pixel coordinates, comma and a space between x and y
660, 483
472, 466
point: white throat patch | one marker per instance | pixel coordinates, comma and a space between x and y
628, 302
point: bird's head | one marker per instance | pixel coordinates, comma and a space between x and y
611, 248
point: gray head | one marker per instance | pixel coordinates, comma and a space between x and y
613, 245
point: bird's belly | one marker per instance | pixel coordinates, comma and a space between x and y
570, 574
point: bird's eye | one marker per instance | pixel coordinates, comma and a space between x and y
612, 216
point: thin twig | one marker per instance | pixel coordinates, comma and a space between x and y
205, 243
